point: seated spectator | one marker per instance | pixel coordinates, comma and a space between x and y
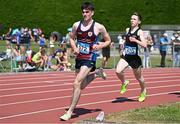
29, 55
62, 62
8, 51
19, 56
40, 58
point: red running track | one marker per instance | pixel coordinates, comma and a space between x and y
43, 97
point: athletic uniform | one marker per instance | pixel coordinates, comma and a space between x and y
85, 41
131, 50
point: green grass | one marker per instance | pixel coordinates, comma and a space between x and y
164, 113
168, 113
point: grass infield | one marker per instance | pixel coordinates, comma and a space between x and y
160, 114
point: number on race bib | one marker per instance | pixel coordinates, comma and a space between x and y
84, 48
130, 50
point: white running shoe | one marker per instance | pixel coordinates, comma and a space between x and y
101, 73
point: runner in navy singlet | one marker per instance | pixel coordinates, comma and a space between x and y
134, 38
85, 32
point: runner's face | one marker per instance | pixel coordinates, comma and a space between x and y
135, 21
87, 14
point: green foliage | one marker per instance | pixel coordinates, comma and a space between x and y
58, 15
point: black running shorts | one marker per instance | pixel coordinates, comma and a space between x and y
88, 63
134, 61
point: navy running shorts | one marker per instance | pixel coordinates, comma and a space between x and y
88, 63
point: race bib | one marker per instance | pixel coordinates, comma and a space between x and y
84, 48
130, 50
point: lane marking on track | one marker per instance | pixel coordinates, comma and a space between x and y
69, 89
69, 76
92, 103
55, 85
85, 94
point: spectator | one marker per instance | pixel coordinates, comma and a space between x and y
8, 51
51, 44
35, 35
176, 49
26, 37
163, 49
19, 55
8, 36
40, 59
121, 44
69, 49
62, 62
147, 50
106, 54
42, 41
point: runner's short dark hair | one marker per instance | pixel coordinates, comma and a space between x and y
138, 15
87, 5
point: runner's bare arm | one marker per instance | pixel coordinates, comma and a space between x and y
142, 42
73, 37
105, 36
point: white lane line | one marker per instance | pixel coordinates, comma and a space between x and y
72, 75
85, 94
20, 75
85, 104
61, 80
34, 78
55, 85
49, 91
13, 76
37, 82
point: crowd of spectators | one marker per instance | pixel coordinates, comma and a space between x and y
31, 50
54, 52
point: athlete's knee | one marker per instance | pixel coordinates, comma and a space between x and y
140, 79
77, 84
119, 73
120, 69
